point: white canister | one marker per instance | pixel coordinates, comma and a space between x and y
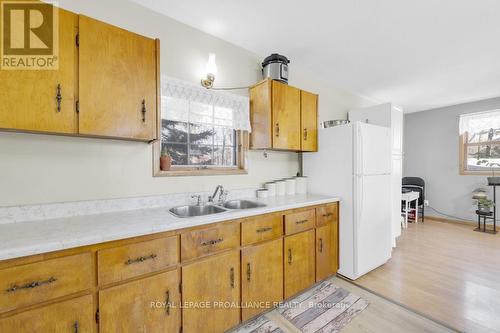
301, 185
271, 188
280, 187
262, 193
290, 186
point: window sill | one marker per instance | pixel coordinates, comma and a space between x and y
201, 172
479, 173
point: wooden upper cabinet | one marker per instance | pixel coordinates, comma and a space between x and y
283, 117
147, 305
117, 82
261, 115
309, 121
28, 97
286, 116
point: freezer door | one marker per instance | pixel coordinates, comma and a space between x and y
372, 225
372, 149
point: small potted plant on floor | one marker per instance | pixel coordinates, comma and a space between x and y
165, 160
485, 205
493, 180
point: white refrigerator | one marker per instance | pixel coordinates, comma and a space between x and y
388, 115
354, 164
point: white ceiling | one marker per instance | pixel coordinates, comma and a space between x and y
418, 54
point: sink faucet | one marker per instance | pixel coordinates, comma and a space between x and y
219, 189
198, 199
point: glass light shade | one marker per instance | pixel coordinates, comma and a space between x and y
211, 65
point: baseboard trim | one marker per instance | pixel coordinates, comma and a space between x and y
446, 220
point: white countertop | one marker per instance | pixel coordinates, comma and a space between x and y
35, 237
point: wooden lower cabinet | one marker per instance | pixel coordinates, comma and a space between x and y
74, 315
299, 262
262, 277
326, 251
211, 294
146, 305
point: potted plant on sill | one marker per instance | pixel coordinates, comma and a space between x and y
485, 205
493, 180
165, 160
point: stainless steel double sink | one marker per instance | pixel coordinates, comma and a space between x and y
201, 210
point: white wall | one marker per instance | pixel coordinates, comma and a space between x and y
432, 153
42, 168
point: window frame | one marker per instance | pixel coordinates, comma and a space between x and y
242, 148
463, 146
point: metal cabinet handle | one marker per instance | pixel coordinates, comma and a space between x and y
140, 259
143, 110
301, 221
277, 129
327, 214
167, 302
321, 245
212, 242
58, 97
249, 272
305, 134
231, 277
265, 229
31, 285
289, 256
75, 327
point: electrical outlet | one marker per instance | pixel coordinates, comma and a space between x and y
426, 202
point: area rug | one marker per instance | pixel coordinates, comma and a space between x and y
325, 308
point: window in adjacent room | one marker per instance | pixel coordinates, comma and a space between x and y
480, 142
204, 131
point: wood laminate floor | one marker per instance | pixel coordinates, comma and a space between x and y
445, 271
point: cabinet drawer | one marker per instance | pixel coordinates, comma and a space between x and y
132, 260
300, 221
198, 243
327, 214
41, 281
261, 228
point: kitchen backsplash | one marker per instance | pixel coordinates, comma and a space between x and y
15, 214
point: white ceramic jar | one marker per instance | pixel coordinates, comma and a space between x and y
271, 188
300, 185
290, 186
280, 187
262, 193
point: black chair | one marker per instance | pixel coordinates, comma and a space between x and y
418, 185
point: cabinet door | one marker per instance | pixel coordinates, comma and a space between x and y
299, 262
309, 121
261, 115
117, 74
28, 97
326, 251
146, 305
262, 281
74, 315
286, 116
211, 293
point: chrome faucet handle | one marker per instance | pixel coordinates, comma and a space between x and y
198, 199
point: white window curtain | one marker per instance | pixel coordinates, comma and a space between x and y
187, 102
479, 121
